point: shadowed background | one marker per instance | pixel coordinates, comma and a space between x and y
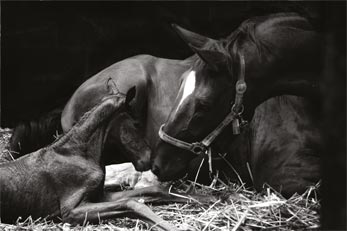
49, 48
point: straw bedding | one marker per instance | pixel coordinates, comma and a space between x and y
237, 208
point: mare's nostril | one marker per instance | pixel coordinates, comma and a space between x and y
156, 170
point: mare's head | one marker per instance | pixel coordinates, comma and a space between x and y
271, 53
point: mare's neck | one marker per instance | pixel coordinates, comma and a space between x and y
277, 110
295, 84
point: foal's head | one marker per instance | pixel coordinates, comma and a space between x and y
126, 141
109, 133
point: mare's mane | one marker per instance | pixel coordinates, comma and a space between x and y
231, 45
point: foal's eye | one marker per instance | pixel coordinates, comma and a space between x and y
136, 124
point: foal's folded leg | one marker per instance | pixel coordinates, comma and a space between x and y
94, 212
157, 195
119, 175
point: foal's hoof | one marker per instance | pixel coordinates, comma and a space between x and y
147, 179
121, 175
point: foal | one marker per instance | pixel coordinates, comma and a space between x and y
124, 136
66, 178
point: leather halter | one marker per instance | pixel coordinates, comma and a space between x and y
201, 148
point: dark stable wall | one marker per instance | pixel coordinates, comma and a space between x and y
49, 48
333, 118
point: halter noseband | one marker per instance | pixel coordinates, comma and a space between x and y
201, 148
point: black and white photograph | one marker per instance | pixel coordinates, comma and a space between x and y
173, 115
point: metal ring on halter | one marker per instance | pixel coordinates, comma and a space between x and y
240, 111
198, 148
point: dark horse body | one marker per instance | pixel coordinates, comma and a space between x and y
285, 147
192, 96
157, 81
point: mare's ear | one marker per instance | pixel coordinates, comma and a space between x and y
197, 43
192, 38
130, 95
214, 59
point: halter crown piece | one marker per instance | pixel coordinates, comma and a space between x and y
201, 148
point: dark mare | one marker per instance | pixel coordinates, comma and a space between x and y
66, 178
274, 55
266, 56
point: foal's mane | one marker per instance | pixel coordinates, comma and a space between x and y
85, 116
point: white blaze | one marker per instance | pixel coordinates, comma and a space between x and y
189, 86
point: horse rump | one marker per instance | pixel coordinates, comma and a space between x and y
29, 136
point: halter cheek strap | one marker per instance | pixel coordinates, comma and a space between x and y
200, 148
240, 86
196, 147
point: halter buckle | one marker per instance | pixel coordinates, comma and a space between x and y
198, 148
241, 86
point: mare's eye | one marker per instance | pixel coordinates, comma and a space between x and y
203, 107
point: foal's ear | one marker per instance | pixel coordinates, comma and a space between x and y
130, 95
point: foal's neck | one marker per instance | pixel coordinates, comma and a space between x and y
87, 137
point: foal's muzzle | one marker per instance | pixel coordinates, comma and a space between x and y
143, 163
